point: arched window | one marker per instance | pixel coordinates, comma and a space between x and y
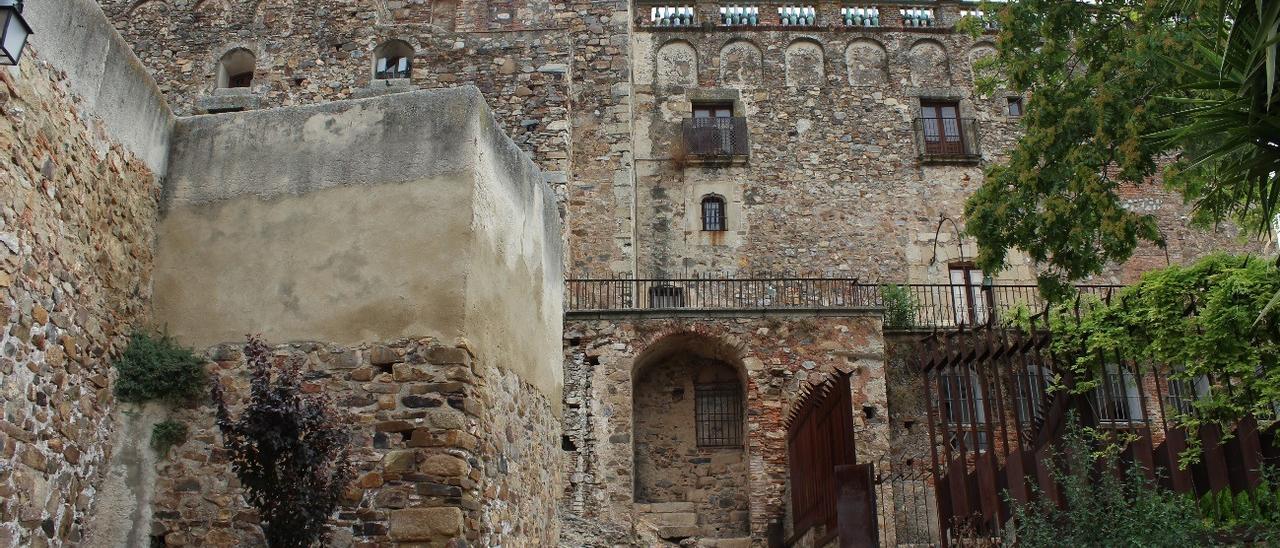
713, 216
235, 69
393, 59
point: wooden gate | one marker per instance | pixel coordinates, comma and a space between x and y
830, 493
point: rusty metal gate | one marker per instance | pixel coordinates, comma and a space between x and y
831, 494
994, 423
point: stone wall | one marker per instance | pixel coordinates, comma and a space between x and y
778, 353
392, 216
674, 471
450, 449
77, 230
307, 53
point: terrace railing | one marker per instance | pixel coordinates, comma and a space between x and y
932, 305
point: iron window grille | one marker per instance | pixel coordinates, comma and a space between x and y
1183, 393
666, 296
718, 414
713, 214
962, 409
1117, 401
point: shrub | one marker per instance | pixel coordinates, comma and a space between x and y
1103, 509
290, 451
168, 434
899, 306
155, 367
1247, 514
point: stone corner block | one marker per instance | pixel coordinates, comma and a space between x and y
421, 524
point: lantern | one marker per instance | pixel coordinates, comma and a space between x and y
14, 31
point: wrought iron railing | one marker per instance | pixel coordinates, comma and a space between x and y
711, 138
930, 305
947, 138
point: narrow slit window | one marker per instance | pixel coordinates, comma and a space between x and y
713, 214
718, 414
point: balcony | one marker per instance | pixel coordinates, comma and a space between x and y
931, 305
947, 139
710, 140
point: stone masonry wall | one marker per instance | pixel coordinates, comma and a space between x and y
76, 244
450, 451
779, 355
672, 470
312, 52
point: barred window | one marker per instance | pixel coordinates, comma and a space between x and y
1117, 401
393, 59
713, 217
718, 414
963, 408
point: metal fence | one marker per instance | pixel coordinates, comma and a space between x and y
930, 305
947, 138
716, 137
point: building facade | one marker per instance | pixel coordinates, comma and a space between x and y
710, 160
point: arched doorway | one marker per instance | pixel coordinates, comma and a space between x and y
690, 452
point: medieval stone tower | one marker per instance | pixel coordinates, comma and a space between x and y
722, 188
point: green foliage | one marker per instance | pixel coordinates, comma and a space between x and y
899, 306
1103, 509
155, 367
168, 434
1248, 514
1122, 89
1203, 317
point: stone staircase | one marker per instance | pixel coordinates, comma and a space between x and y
676, 523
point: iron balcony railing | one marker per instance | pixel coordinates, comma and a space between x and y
930, 305
947, 138
715, 138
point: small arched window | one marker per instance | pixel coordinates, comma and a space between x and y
393, 59
713, 215
235, 69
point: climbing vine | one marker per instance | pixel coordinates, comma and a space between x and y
1209, 320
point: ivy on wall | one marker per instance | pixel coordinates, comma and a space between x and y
1206, 321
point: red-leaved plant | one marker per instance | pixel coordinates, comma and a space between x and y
291, 451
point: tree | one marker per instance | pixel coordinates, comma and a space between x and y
290, 451
1124, 91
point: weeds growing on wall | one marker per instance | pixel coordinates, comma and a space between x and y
168, 434
291, 451
155, 367
899, 306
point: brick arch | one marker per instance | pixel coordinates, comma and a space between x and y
670, 334
690, 442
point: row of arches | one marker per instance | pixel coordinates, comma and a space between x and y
392, 59
867, 62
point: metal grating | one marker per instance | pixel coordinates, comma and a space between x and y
718, 414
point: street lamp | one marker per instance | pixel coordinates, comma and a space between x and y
14, 31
